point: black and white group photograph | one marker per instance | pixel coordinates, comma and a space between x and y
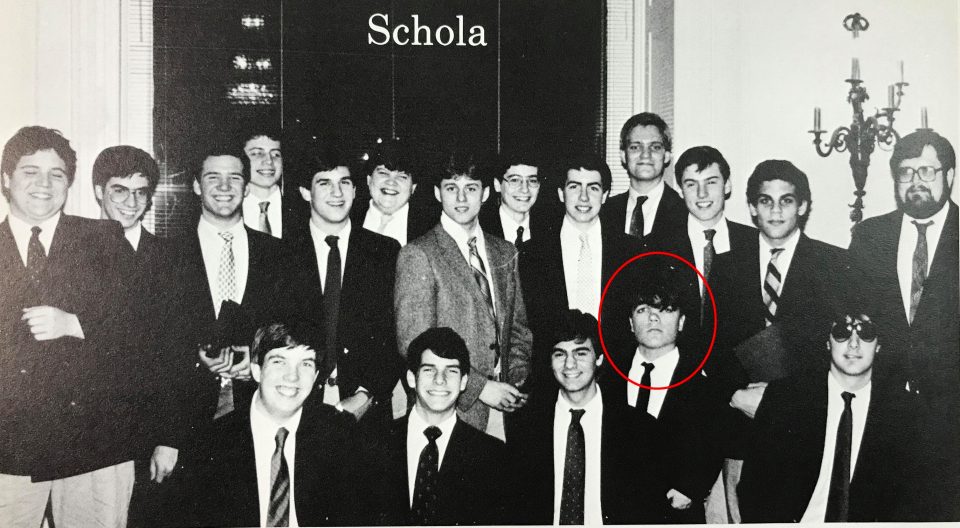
479, 262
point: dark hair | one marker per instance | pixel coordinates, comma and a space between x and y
395, 155
911, 146
443, 342
32, 139
509, 158
222, 149
574, 325
700, 157
270, 132
281, 335
326, 158
590, 162
657, 291
459, 163
645, 119
770, 170
124, 161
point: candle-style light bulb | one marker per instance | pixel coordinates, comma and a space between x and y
923, 117
816, 118
890, 96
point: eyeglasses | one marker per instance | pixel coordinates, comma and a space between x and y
120, 194
515, 182
842, 330
926, 173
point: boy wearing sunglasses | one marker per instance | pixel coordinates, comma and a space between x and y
833, 446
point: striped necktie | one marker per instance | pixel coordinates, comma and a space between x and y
771, 286
919, 268
278, 513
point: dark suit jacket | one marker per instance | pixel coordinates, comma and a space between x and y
627, 492
670, 213
781, 471
925, 354
544, 219
545, 293
262, 303
67, 405
436, 287
473, 487
329, 483
420, 218
686, 433
366, 327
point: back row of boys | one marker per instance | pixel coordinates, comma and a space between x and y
370, 298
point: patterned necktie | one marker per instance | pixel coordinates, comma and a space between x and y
574, 472
264, 219
709, 253
919, 267
331, 303
519, 239
36, 257
423, 510
838, 501
227, 274
480, 275
584, 265
771, 286
636, 222
278, 513
643, 397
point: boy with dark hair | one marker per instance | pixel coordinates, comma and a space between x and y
272, 206
518, 212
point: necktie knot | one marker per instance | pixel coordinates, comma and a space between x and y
921, 226
775, 252
847, 397
432, 433
332, 240
576, 415
647, 367
281, 437
708, 233
36, 230
264, 206
519, 236
584, 240
226, 236
641, 200
472, 243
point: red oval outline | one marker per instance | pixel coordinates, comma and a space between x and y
603, 296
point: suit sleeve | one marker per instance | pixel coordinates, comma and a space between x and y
415, 296
521, 339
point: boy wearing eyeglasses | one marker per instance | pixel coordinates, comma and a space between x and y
835, 446
124, 181
515, 215
906, 263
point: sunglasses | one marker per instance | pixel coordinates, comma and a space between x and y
842, 330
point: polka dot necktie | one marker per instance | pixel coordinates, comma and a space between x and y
574, 472
424, 508
36, 257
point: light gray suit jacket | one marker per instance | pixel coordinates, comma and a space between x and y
435, 287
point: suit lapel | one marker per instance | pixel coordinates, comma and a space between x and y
460, 267
499, 264
9, 254
553, 263
942, 264
793, 285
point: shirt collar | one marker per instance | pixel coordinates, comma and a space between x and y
653, 195
665, 363
506, 215
938, 218
571, 232
457, 232
401, 213
47, 226
263, 424
595, 405
205, 226
133, 235
834, 388
319, 235
788, 248
416, 424
695, 231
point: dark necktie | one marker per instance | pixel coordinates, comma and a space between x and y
424, 507
36, 258
838, 502
278, 514
643, 397
519, 239
264, 226
574, 472
636, 222
919, 267
709, 252
331, 304
771, 286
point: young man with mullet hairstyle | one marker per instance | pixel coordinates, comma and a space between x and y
280, 461
460, 277
440, 470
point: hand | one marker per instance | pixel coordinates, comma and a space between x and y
162, 463
358, 404
219, 364
241, 370
502, 396
748, 400
47, 322
678, 501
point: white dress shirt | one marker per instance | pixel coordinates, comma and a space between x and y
264, 430
660, 376
591, 422
396, 227
133, 235
908, 244
649, 207
783, 260
211, 244
816, 510
510, 225
461, 237
416, 441
586, 301
698, 240
22, 233
251, 211
322, 249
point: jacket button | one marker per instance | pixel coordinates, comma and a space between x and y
73, 404
23, 371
